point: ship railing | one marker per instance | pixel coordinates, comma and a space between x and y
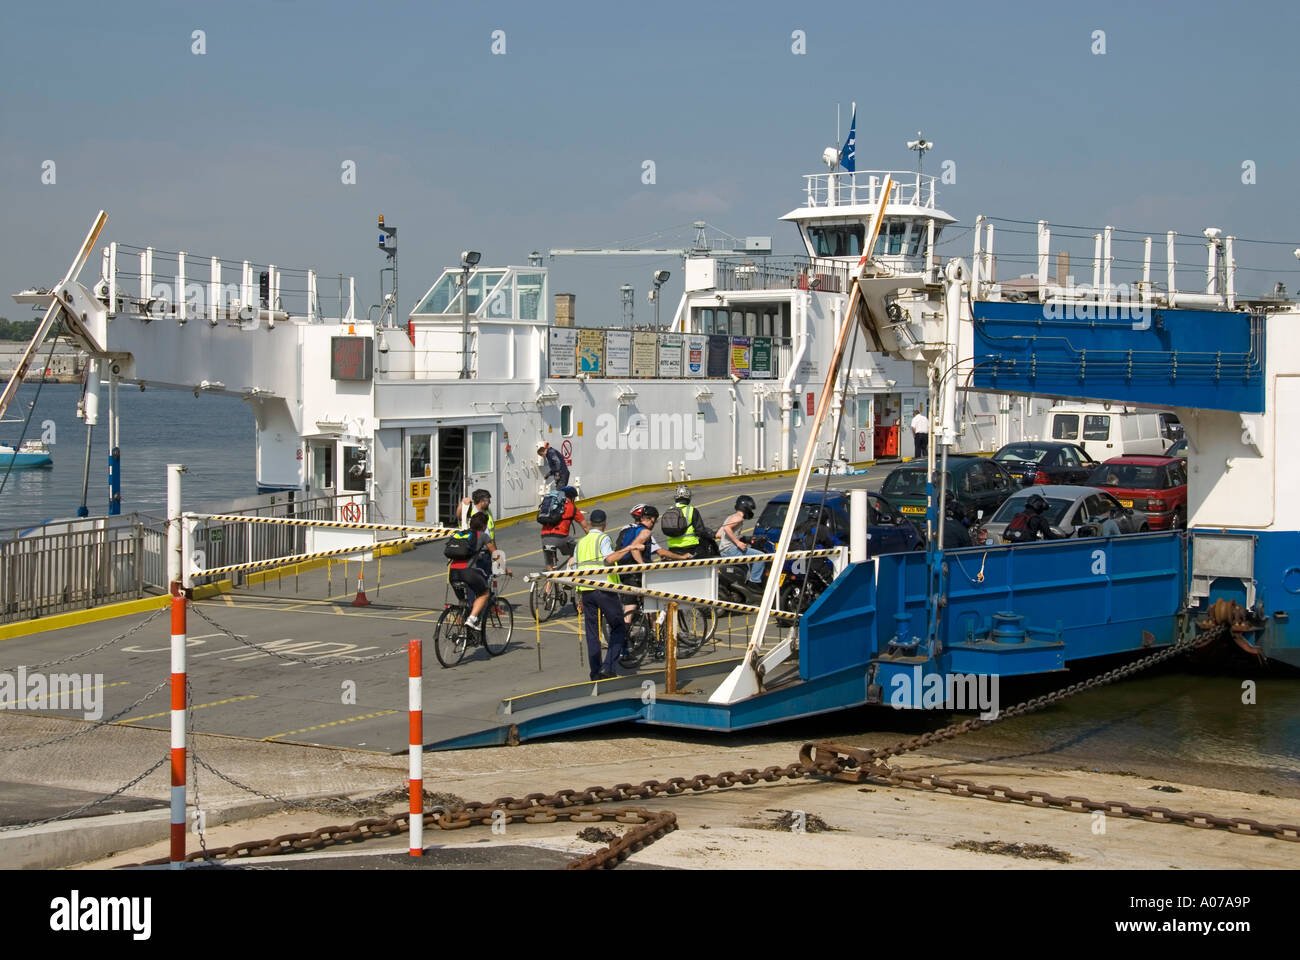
866, 187
1125, 272
187, 287
781, 273
68, 565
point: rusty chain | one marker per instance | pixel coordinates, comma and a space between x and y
823, 760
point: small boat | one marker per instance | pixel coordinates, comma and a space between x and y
32, 453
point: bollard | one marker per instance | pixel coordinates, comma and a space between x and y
670, 650
858, 526
416, 785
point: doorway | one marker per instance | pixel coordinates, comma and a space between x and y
450, 472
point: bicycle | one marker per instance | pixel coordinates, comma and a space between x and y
548, 596
645, 636
451, 638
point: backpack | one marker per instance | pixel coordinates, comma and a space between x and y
626, 536
551, 511
674, 523
1018, 529
460, 546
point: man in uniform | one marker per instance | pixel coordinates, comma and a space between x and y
596, 550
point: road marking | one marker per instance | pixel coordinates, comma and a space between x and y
198, 706
97, 686
334, 723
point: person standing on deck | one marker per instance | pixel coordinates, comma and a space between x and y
555, 469
921, 433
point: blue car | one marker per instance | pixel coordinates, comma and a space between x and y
889, 530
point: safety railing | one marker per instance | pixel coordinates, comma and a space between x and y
781, 273
70, 566
867, 187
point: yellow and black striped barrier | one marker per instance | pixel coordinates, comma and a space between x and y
681, 598
315, 555
331, 524
671, 564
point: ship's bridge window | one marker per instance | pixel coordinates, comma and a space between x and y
440, 296
916, 243
529, 286
890, 241
841, 240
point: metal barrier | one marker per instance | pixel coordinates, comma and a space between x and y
70, 566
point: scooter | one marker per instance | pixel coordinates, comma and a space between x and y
733, 578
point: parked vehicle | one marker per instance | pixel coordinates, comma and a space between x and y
1072, 511
1178, 449
974, 484
1103, 430
1155, 487
1045, 461
887, 526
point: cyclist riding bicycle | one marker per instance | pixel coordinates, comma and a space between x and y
465, 549
557, 539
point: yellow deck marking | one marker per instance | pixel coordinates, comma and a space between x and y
197, 706
334, 723
96, 686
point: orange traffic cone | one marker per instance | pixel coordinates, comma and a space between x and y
360, 599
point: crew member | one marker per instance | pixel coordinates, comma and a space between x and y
729, 540
481, 502
554, 464
596, 550
688, 541
921, 433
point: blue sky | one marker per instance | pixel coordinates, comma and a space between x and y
238, 152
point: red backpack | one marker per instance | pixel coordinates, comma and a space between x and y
1018, 529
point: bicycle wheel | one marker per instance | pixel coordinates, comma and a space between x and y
544, 599
498, 626
692, 630
639, 635
449, 636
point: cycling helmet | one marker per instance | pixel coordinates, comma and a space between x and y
683, 493
637, 511
1036, 503
643, 510
745, 504
571, 493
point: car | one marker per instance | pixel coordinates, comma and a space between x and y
1178, 449
1045, 461
889, 530
974, 484
1155, 487
1070, 509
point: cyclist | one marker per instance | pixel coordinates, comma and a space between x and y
468, 570
1029, 523
955, 533
729, 537
687, 538
558, 539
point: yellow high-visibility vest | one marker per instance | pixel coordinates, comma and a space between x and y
588, 555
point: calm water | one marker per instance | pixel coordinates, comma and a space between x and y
212, 436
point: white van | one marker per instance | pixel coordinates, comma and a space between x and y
1106, 430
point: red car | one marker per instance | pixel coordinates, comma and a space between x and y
1155, 487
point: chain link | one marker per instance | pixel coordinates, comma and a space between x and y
86, 806
200, 826
85, 653
94, 724
313, 661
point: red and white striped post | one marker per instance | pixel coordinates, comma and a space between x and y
175, 574
416, 785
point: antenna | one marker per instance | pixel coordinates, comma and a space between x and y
920, 145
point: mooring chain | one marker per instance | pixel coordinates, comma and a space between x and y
857, 765
310, 661
92, 724
86, 806
85, 653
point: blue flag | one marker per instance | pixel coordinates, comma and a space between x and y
850, 150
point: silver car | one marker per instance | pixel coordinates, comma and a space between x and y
1072, 511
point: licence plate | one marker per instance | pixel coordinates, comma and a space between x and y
920, 510
1126, 503
1018, 476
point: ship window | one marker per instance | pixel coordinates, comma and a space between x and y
419, 455
480, 451
722, 321
890, 241
566, 420
704, 320
354, 469
843, 240
917, 242
737, 323
529, 286
439, 297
